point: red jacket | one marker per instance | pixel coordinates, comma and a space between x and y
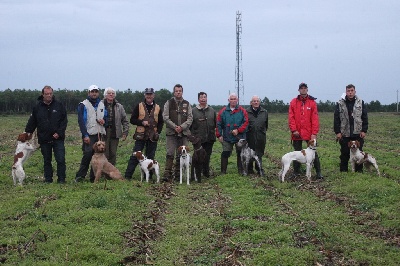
303, 117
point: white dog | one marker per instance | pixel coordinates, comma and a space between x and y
147, 165
360, 157
23, 151
185, 163
306, 156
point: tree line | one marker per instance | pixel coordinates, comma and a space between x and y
21, 101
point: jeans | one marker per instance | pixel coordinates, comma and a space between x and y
140, 145
56, 146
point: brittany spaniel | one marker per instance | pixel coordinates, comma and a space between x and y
147, 165
360, 157
305, 156
101, 165
23, 151
185, 163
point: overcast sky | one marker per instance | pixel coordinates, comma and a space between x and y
153, 43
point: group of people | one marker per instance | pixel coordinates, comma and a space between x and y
106, 119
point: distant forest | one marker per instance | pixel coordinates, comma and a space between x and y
21, 101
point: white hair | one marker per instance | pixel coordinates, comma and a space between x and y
232, 94
109, 89
256, 96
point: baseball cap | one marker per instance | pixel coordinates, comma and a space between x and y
92, 88
303, 85
148, 91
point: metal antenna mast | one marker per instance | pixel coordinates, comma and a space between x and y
238, 70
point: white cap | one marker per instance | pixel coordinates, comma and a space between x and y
93, 87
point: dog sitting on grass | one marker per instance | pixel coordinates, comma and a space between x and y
101, 165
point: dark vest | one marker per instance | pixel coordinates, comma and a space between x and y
178, 113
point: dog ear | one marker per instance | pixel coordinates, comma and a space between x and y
349, 144
95, 147
180, 149
357, 143
187, 148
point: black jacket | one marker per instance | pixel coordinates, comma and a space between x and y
48, 119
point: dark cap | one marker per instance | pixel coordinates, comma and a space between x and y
149, 91
303, 85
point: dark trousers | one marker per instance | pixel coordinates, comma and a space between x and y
297, 145
140, 145
87, 157
47, 149
207, 146
111, 147
345, 153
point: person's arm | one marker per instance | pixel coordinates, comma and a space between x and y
81, 120
364, 118
135, 116
124, 122
166, 118
160, 124
32, 122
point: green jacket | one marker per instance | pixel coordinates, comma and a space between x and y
256, 132
204, 123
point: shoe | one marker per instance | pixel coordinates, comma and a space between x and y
79, 179
61, 181
48, 181
320, 176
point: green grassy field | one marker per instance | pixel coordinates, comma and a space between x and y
346, 219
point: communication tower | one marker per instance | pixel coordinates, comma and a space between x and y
238, 69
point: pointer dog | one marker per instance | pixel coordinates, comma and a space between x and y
305, 156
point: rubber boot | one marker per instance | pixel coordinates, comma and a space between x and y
224, 165
239, 164
169, 161
296, 169
177, 166
260, 171
250, 169
206, 167
317, 166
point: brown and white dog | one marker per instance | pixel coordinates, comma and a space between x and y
305, 156
147, 165
23, 151
360, 157
101, 165
184, 164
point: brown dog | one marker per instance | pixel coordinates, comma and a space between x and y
101, 165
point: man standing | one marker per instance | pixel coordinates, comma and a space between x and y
147, 116
91, 124
49, 116
116, 124
203, 126
257, 131
232, 122
178, 118
350, 123
304, 124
